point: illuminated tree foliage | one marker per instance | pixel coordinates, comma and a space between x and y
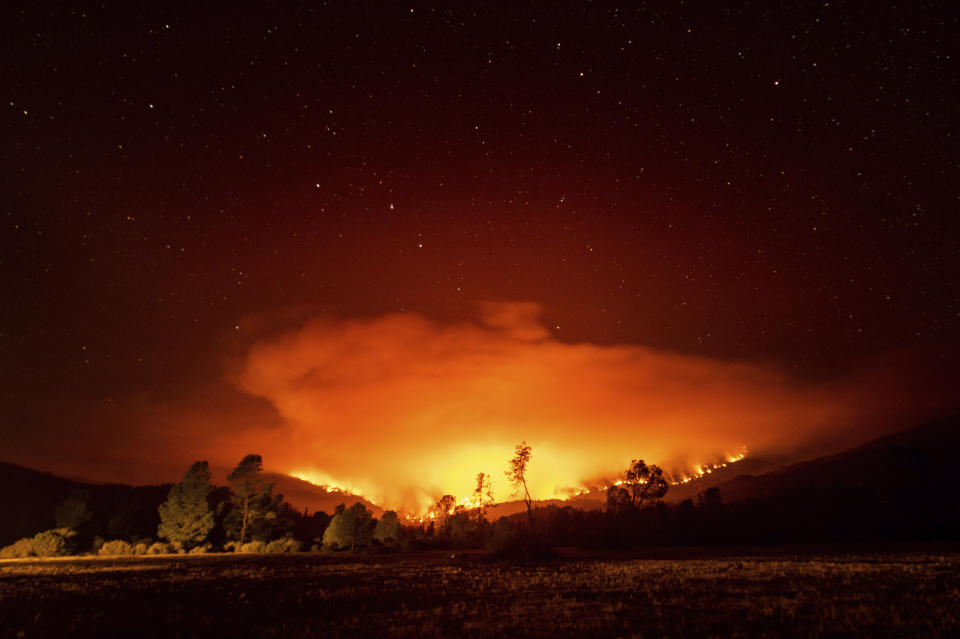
643, 483
49, 543
517, 474
388, 528
251, 496
350, 527
186, 517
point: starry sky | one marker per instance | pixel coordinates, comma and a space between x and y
765, 182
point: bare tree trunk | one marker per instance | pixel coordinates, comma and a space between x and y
529, 501
243, 525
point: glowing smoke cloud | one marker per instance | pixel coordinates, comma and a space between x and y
403, 409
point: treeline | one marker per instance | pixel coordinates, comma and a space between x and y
247, 516
195, 516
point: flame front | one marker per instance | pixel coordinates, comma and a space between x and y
426, 508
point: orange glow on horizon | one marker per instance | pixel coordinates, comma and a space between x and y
426, 513
402, 410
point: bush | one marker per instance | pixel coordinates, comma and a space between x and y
116, 547
49, 543
286, 544
158, 548
140, 548
199, 550
16, 550
252, 547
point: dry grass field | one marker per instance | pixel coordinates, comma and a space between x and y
905, 594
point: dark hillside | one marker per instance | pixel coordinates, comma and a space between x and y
29, 501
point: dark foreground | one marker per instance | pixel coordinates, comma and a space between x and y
812, 594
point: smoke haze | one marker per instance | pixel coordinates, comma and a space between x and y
403, 409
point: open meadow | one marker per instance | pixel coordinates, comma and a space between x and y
686, 594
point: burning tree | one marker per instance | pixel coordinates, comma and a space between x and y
517, 474
643, 483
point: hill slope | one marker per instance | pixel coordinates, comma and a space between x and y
304, 495
29, 501
922, 463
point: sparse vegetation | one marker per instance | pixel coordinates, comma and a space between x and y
685, 595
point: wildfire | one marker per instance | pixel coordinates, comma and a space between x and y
326, 482
428, 511
700, 471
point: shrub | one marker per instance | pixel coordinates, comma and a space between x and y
116, 547
286, 544
50, 543
252, 547
16, 550
140, 548
158, 548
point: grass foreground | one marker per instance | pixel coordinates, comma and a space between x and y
680, 594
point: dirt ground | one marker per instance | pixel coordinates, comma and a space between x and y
693, 593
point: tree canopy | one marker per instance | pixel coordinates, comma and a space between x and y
350, 527
388, 528
251, 497
644, 483
186, 517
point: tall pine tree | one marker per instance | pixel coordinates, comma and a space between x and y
186, 517
251, 497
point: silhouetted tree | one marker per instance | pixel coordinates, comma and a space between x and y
517, 474
482, 496
618, 500
248, 493
74, 511
309, 529
644, 483
710, 499
388, 528
186, 517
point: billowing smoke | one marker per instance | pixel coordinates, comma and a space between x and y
403, 409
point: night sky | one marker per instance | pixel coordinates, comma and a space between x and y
771, 183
